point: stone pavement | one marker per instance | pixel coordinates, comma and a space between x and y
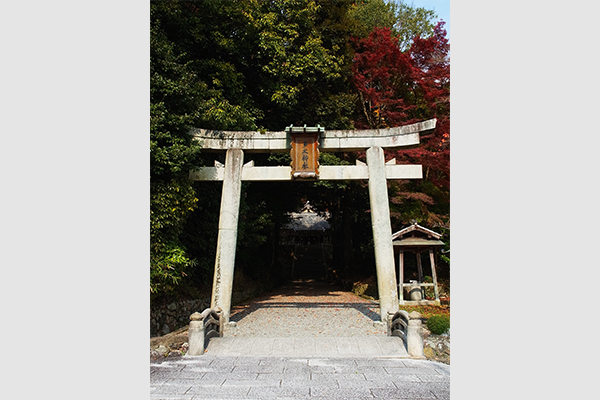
251, 377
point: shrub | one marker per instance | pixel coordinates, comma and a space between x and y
438, 324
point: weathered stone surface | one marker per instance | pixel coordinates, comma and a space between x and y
196, 336
437, 347
428, 352
414, 338
175, 353
326, 172
227, 236
414, 315
196, 316
346, 140
382, 233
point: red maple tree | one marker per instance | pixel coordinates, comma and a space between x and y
398, 88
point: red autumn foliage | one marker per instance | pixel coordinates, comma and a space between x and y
398, 88
383, 76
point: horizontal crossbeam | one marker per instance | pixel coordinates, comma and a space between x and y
326, 172
337, 140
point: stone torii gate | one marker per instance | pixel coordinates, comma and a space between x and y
376, 170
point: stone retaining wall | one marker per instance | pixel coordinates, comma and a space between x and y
170, 317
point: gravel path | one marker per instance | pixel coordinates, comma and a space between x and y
307, 308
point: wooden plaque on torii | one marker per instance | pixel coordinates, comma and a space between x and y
305, 151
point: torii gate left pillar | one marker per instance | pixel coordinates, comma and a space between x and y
227, 237
377, 171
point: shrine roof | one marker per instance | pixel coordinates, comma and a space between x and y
308, 219
416, 235
416, 230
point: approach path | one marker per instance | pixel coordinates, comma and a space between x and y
307, 318
307, 308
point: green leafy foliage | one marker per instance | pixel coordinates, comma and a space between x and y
438, 324
170, 204
405, 21
168, 263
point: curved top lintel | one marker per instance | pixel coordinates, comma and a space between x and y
336, 140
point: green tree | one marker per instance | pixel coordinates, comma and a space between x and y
186, 91
175, 94
405, 21
301, 61
412, 22
371, 14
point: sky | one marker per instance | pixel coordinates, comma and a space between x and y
441, 8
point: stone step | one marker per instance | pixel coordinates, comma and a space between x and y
373, 346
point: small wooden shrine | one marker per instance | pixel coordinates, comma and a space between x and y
418, 240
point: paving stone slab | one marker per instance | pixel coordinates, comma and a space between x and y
162, 375
380, 362
385, 376
332, 361
297, 369
262, 346
391, 346
283, 360
442, 368
288, 377
254, 383
189, 375
370, 371
221, 392
167, 366
338, 377
171, 389
411, 371
244, 376
341, 393
420, 385
434, 378
279, 393
349, 346
328, 347
154, 396
378, 384
322, 369
348, 369
403, 393
442, 394
308, 383
369, 348
305, 346
260, 369
282, 347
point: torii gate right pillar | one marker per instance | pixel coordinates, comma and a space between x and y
382, 233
